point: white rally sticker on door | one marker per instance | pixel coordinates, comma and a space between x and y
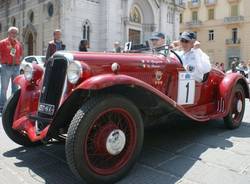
186, 89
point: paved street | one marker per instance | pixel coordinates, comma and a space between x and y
181, 152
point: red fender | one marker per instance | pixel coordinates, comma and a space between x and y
108, 80
29, 97
227, 85
27, 104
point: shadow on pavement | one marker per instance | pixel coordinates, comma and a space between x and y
169, 152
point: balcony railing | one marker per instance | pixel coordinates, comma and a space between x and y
194, 4
210, 2
231, 41
194, 23
233, 19
181, 3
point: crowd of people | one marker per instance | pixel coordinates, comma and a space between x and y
240, 67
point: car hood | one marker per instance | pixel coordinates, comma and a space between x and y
116, 57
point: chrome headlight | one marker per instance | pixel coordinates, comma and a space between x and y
28, 72
74, 72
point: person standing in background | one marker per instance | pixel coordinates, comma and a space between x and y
117, 47
55, 45
83, 46
11, 53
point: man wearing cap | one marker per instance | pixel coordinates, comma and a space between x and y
158, 41
11, 52
194, 59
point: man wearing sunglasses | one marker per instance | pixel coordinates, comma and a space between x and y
194, 59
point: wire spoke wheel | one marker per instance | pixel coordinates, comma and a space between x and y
104, 139
238, 107
236, 113
109, 141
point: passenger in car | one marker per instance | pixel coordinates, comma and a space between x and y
194, 59
158, 42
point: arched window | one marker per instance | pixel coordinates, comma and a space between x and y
50, 9
135, 15
86, 31
170, 16
31, 16
13, 21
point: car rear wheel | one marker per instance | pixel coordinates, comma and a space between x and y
237, 108
7, 121
104, 139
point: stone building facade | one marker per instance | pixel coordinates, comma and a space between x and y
102, 22
222, 26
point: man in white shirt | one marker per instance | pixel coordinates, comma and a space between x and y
194, 60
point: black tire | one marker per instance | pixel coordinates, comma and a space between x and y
234, 118
7, 120
82, 125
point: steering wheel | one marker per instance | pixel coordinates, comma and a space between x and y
177, 56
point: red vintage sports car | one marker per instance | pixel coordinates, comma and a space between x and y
100, 103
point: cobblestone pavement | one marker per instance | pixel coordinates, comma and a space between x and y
182, 152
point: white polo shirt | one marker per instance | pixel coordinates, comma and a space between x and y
196, 62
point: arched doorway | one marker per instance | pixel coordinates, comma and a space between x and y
30, 37
134, 32
30, 46
141, 22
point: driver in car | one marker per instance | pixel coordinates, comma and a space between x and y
194, 59
158, 42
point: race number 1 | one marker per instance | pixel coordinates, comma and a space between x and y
186, 89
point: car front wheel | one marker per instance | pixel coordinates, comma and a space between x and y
104, 139
237, 108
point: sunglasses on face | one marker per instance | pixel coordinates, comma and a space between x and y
153, 40
184, 41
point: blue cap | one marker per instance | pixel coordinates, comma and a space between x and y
188, 36
157, 36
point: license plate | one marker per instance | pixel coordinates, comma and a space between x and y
46, 108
